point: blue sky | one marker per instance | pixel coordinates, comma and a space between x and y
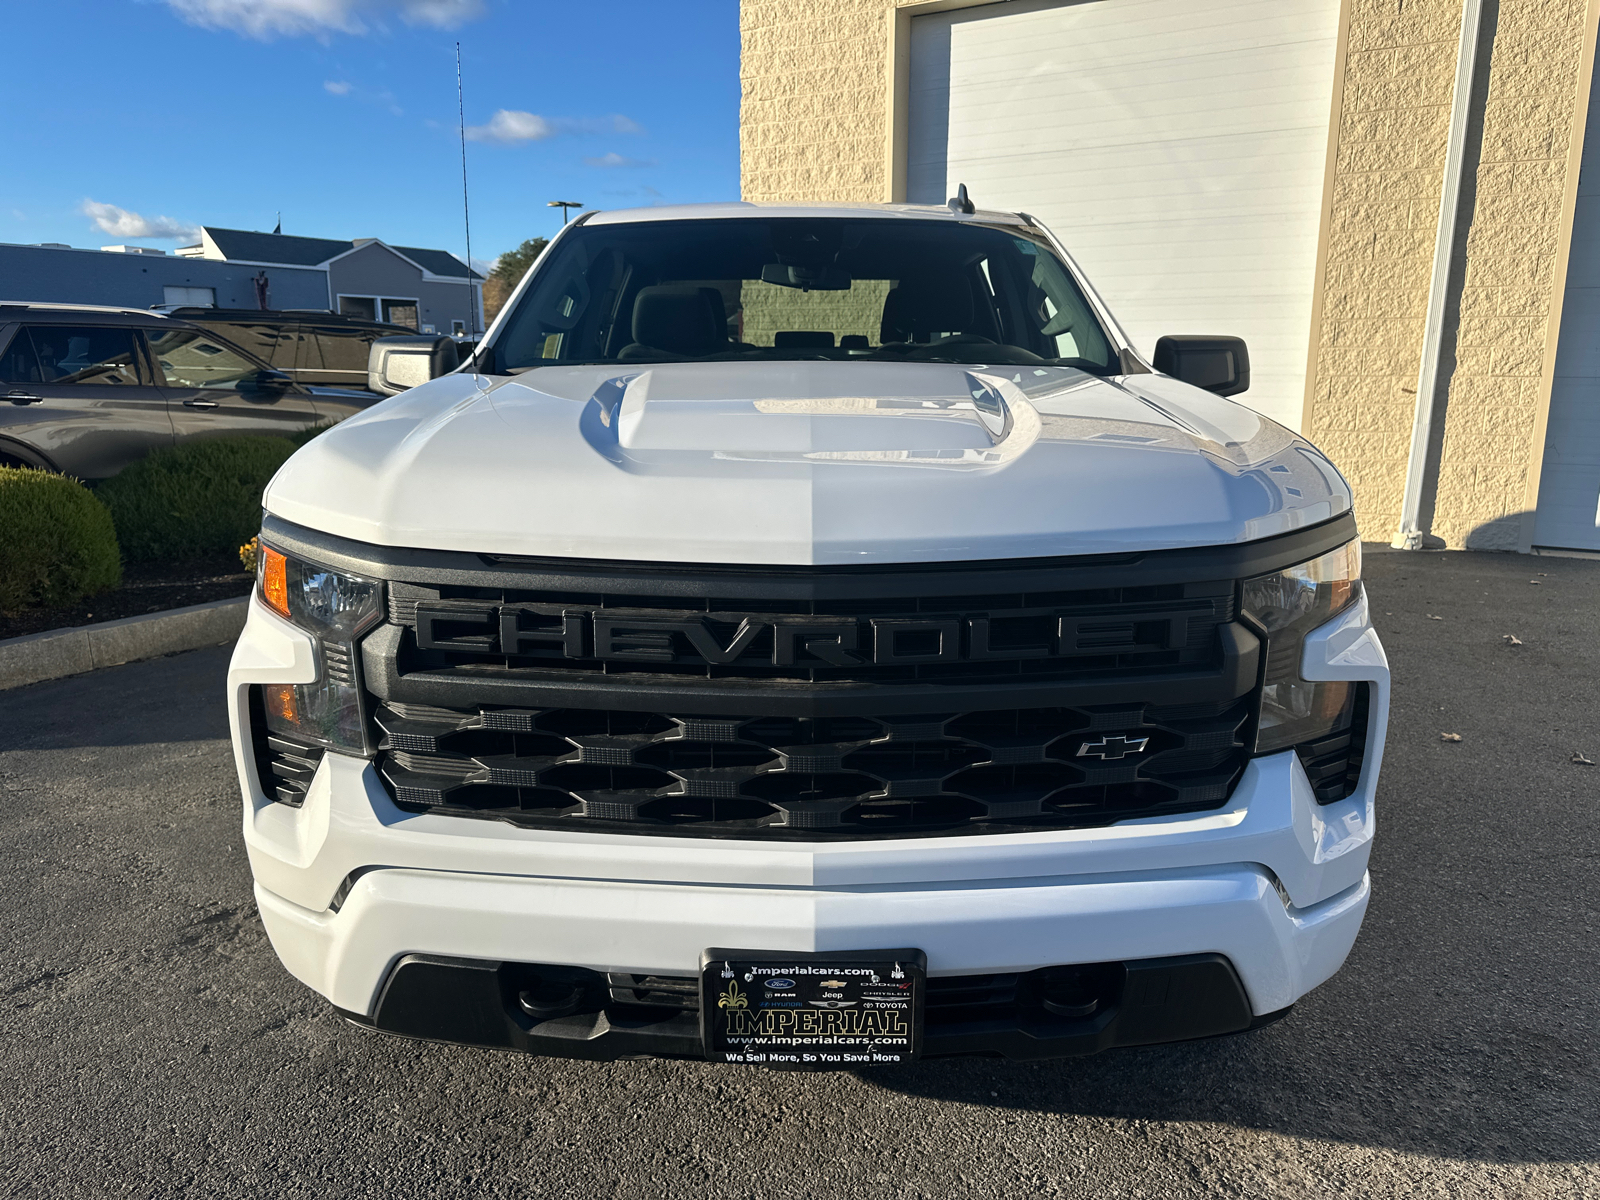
154, 115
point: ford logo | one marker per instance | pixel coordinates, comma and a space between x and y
780, 983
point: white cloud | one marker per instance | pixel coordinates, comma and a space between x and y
266, 19
382, 98
120, 222
510, 125
613, 159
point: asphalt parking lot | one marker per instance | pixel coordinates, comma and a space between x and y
152, 1046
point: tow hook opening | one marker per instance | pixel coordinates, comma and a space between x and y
545, 993
1077, 993
545, 1001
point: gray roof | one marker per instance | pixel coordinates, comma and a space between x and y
244, 245
440, 262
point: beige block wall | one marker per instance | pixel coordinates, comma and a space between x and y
765, 309
1392, 129
814, 103
1388, 168
1493, 437
815, 78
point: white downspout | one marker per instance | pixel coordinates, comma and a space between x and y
1410, 535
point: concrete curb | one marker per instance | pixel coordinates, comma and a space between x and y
57, 653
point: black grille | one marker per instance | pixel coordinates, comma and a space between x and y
872, 700
654, 991
285, 765
1072, 993
1052, 633
999, 770
1333, 764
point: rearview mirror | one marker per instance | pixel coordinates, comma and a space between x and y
809, 279
1218, 364
397, 363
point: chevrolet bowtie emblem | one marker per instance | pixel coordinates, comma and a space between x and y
1113, 747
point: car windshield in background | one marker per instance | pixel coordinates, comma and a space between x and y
790, 289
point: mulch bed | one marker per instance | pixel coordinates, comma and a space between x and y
146, 588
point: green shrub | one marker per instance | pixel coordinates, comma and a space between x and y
57, 542
196, 499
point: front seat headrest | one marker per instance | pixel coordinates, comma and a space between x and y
678, 319
920, 307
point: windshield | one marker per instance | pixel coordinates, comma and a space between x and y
803, 288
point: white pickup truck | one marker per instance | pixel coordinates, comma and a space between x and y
810, 635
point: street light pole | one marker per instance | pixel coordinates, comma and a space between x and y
563, 205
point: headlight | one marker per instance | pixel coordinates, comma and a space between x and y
1290, 604
337, 608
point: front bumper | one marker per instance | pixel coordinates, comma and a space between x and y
349, 885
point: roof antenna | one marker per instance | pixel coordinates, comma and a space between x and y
466, 213
959, 203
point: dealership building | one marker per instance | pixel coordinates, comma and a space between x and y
430, 290
1385, 198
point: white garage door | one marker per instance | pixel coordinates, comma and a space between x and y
1177, 148
1569, 487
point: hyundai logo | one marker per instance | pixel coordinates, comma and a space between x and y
780, 983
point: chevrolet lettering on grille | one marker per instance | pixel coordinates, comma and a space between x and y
521, 631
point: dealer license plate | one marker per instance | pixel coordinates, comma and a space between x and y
851, 1008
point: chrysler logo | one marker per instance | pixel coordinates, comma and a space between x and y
1113, 747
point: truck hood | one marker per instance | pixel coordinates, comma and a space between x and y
806, 463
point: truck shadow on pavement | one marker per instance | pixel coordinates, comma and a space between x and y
1338, 1070
1462, 1024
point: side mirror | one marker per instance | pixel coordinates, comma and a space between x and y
397, 363
266, 381
1218, 364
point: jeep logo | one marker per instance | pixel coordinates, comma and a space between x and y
522, 631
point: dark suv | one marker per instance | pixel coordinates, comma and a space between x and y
86, 391
310, 347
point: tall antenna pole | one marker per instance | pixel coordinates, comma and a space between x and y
466, 212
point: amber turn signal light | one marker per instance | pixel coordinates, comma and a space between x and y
282, 703
274, 581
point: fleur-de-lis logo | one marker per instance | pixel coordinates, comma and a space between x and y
733, 998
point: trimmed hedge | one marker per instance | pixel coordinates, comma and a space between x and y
196, 499
57, 541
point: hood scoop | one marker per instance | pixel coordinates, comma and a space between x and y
964, 418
